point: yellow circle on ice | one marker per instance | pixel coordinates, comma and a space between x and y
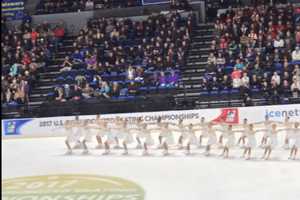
70, 187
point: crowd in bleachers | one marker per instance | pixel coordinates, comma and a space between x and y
25, 51
115, 58
61, 6
255, 51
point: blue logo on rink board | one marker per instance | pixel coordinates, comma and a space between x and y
283, 113
13, 127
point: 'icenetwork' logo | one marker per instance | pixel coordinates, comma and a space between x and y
283, 113
70, 187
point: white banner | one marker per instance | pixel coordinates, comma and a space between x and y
53, 126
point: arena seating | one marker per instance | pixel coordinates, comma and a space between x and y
124, 59
61, 6
257, 55
131, 58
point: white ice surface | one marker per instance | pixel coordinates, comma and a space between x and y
176, 177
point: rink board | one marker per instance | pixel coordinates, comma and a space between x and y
53, 126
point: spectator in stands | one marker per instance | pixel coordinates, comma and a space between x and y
77, 93
132, 88
275, 79
295, 87
296, 54
59, 94
59, 33
89, 5
66, 65
104, 90
162, 79
87, 91
239, 65
236, 77
115, 90
130, 73
173, 79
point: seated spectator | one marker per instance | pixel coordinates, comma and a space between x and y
220, 60
67, 92
226, 83
14, 70
278, 42
104, 91
132, 88
162, 79
91, 62
59, 94
286, 89
276, 78
239, 65
213, 84
296, 54
245, 81
139, 74
115, 90
87, 91
130, 73
173, 79
295, 87
211, 59
89, 5
66, 65
77, 93
236, 77
77, 56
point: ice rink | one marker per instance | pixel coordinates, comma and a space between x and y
175, 177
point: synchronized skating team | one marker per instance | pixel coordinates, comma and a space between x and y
120, 131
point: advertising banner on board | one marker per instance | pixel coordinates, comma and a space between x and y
53, 126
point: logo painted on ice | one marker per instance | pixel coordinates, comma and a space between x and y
70, 187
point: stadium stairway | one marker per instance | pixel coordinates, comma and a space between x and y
46, 82
189, 94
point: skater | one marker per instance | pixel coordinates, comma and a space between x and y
229, 135
125, 136
165, 136
145, 138
77, 130
272, 142
101, 127
295, 134
191, 139
160, 126
115, 125
70, 137
251, 143
212, 138
87, 136
242, 138
137, 126
289, 131
183, 133
267, 130
204, 131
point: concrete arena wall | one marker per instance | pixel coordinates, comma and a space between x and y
53, 126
